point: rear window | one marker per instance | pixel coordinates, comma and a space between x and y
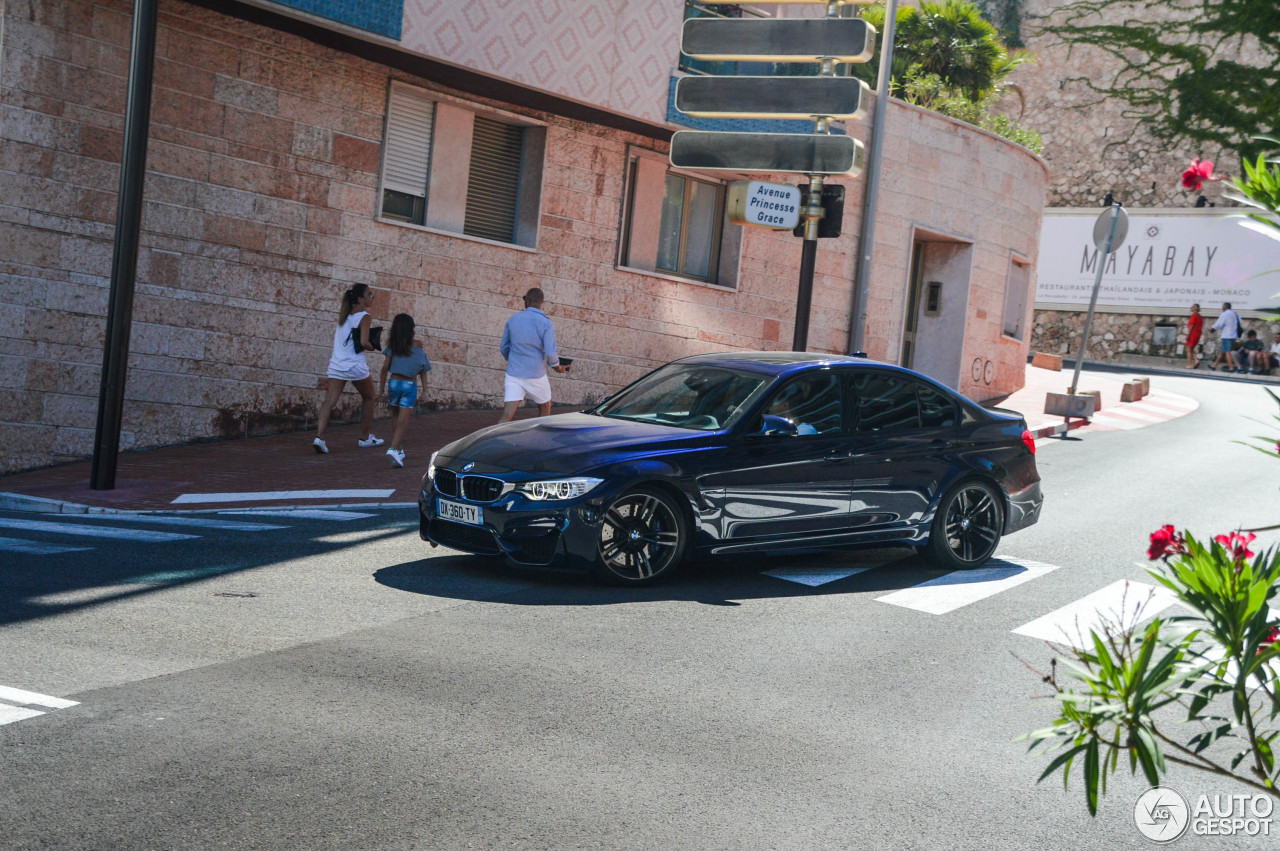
885, 402
936, 409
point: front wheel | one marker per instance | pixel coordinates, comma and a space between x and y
642, 538
967, 527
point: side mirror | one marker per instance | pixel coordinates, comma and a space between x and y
775, 426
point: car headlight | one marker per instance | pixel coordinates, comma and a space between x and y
431, 467
554, 489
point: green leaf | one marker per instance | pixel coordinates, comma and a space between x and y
1091, 776
1063, 759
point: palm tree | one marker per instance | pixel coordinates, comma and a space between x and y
950, 40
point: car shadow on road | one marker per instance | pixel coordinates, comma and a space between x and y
710, 581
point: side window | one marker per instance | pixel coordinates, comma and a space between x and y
936, 410
674, 223
813, 402
885, 402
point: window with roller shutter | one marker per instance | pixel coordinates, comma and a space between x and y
451, 168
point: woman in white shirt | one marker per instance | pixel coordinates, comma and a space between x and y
348, 364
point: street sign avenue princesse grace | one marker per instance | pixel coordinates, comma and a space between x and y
754, 202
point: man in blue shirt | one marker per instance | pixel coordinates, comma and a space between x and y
529, 347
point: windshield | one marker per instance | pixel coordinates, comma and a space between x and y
705, 398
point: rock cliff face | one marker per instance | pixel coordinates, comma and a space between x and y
1091, 144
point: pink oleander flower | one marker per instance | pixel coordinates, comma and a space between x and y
1237, 544
1165, 542
1197, 174
1271, 638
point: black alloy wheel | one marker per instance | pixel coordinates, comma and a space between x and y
966, 530
642, 538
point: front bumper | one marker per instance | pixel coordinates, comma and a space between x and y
524, 533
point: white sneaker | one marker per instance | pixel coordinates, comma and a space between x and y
396, 456
370, 441
320, 446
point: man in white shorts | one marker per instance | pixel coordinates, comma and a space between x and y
529, 347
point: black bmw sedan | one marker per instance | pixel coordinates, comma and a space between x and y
736, 452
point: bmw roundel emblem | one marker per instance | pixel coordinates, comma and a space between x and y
468, 467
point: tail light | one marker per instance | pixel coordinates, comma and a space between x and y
1029, 439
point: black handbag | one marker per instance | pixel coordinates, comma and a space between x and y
375, 339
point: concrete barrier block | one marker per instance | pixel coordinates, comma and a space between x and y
1146, 384
1131, 391
1097, 398
1070, 405
1043, 360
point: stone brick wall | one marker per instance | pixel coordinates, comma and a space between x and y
1081, 129
1112, 335
260, 205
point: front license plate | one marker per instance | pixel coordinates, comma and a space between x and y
458, 512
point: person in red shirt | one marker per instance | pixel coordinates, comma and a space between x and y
1195, 324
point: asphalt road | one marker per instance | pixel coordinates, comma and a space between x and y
335, 683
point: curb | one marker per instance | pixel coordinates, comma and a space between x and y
42, 505
1057, 428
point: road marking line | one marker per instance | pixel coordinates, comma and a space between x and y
35, 548
303, 513
1135, 414
92, 531
963, 587
815, 576
198, 522
1169, 406
1118, 603
264, 496
17, 695
9, 714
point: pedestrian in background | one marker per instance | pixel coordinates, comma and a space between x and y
405, 362
350, 339
1250, 355
1195, 324
1228, 325
529, 347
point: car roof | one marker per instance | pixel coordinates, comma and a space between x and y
780, 363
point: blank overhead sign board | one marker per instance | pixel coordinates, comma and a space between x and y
779, 40
804, 153
771, 97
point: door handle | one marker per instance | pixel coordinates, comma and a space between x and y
836, 455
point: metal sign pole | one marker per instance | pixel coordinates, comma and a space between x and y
867, 236
1105, 249
812, 213
124, 259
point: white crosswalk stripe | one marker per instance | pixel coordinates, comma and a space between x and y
35, 548
955, 590
1121, 603
815, 576
303, 513
91, 531
119, 526
25, 701
194, 522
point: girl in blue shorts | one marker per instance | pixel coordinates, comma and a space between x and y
405, 362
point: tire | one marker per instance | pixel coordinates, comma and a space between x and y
643, 537
967, 526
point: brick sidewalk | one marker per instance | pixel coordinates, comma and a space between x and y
151, 480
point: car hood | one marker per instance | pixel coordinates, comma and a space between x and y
564, 444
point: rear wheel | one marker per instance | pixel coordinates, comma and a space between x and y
966, 530
642, 538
